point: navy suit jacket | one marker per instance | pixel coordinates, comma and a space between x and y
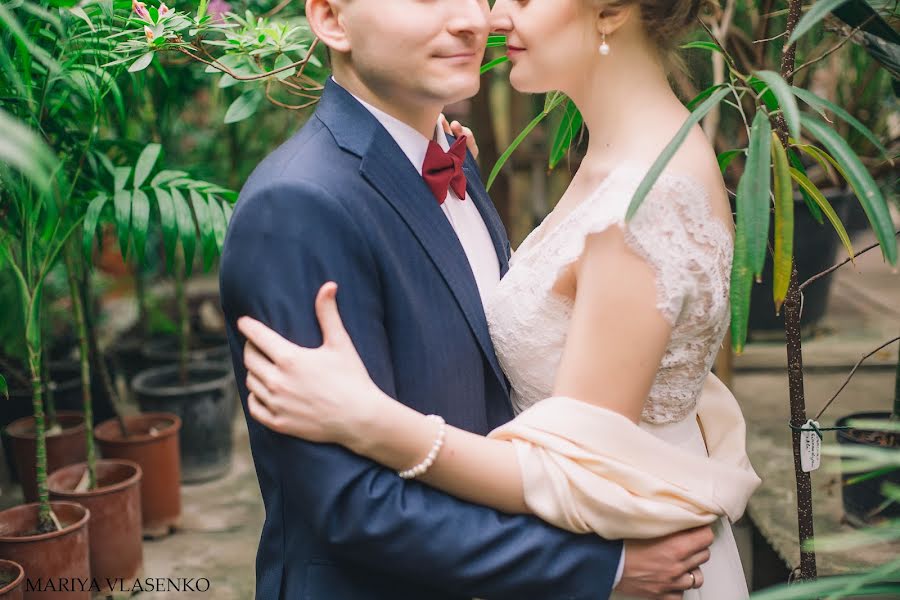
340, 201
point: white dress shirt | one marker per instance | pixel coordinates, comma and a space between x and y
462, 214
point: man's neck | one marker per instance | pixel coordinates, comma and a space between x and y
420, 117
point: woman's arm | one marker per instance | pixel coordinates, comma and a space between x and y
616, 341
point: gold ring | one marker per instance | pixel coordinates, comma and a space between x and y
693, 579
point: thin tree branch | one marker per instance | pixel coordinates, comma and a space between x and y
834, 48
219, 66
840, 264
852, 372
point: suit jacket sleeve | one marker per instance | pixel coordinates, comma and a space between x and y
286, 240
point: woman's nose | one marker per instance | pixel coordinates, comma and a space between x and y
499, 19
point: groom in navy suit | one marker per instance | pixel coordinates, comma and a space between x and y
371, 194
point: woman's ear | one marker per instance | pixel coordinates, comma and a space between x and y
611, 18
326, 21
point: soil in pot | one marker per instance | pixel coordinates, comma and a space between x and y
206, 406
12, 576
153, 444
52, 560
114, 531
63, 448
864, 503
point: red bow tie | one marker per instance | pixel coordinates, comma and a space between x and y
443, 170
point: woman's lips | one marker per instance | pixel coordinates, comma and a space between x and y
514, 51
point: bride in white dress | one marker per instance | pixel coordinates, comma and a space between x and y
606, 330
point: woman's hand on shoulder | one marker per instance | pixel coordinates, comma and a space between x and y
320, 394
457, 129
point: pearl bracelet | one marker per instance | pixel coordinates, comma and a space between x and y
422, 467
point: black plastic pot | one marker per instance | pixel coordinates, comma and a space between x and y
205, 347
863, 499
815, 249
206, 406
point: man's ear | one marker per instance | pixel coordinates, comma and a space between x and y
326, 21
611, 18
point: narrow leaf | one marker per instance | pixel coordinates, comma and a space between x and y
821, 104
657, 168
218, 222
140, 221
493, 64
92, 216
825, 207
121, 177
784, 223
754, 191
122, 201
145, 164
165, 176
786, 100
864, 186
819, 11
141, 63
569, 126
186, 229
169, 224
727, 157
204, 222
4, 389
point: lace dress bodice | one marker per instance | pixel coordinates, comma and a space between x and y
688, 248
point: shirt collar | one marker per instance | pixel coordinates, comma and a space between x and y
413, 144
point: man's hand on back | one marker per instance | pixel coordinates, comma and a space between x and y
661, 568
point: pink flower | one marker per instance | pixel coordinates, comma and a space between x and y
140, 9
217, 9
163, 9
149, 33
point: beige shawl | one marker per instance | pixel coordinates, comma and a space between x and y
589, 469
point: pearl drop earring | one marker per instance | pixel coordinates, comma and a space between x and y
604, 47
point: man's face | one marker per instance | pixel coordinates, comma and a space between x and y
423, 51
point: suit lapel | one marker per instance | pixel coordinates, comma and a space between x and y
388, 170
479, 196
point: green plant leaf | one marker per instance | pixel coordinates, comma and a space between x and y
4, 388
821, 104
186, 229
92, 216
281, 62
819, 11
122, 202
569, 126
22, 149
218, 222
551, 103
657, 167
786, 100
141, 63
243, 107
703, 96
864, 186
811, 206
826, 208
493, 64
140, 221
166, 176
754, 191
784, 223
121, 177
145, 164
702, 45
204, 222
726, 158
168, 223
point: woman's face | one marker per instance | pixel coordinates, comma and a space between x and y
551, 43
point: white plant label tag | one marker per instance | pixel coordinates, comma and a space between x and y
810, 447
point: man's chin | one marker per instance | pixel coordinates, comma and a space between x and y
451, 91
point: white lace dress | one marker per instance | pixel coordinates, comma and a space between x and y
691, 252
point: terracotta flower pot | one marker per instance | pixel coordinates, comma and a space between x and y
115, 504
153, 444
12, 575
56, 564
65, 448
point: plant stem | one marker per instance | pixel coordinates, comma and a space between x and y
140, 292
84, 357
45, 521
895, 412
808, 570
184, 324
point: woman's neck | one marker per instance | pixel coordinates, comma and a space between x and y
628, 108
